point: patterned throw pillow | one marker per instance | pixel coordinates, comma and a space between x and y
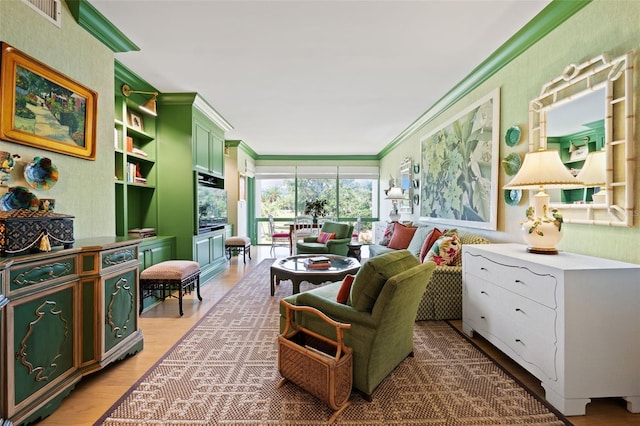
323, 237
388, 232
428, 243
445, 250
345, 289
401, 236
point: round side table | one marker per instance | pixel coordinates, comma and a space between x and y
355, 250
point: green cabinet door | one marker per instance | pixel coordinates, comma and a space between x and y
217, 156
3, 378
217, 246
156, 250
202, 251
201, 146
120, 296
43, 341
208, 147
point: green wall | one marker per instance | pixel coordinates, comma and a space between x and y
85, 188
604, 26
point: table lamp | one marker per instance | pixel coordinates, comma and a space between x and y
592, 174
542, 169
394, 194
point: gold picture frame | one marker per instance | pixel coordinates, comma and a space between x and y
43, 108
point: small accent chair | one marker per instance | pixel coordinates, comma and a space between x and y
338, 245
381, 309
278, 238
303, 227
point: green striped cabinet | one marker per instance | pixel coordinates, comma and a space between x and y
69, 313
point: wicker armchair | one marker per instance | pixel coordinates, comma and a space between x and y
381, 310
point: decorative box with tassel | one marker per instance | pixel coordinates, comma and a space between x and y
24, 231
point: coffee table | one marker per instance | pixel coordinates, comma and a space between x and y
293, 268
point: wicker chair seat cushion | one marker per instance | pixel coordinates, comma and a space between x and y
237, 241
171, 270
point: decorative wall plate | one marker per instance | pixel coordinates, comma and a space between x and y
512, 196
512, 163
416, 199
7, 162
41, 173
416, 168
512, 137
18, 197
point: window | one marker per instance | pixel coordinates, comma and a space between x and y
350, 191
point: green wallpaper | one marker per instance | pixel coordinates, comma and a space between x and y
604, 26
85, 188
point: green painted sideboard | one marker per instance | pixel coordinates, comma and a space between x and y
69, 312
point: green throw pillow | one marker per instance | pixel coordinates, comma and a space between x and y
374, 274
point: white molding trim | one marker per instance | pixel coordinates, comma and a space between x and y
207, 109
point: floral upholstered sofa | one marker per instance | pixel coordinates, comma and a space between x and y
443, 296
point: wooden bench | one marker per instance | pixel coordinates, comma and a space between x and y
169, 276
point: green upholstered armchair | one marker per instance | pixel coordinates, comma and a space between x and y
338, 245
381, 309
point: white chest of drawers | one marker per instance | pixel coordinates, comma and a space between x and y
572, 321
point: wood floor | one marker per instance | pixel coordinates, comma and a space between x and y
162, 327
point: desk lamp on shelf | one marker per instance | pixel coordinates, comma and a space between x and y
542, 169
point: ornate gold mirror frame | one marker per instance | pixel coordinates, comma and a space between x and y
615, 77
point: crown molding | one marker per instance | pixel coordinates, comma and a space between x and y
318, 157
234, 143
100, 27
556, 13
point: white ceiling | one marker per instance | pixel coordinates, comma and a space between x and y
307, 77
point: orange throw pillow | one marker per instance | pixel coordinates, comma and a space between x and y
401, 236
345, 289
428, 242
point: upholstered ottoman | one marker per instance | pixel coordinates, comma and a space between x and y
169, 276
238, 244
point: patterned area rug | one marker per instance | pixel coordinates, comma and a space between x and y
224, 372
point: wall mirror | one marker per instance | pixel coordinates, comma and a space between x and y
406, 183
585, 110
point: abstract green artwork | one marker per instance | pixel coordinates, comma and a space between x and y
460, 167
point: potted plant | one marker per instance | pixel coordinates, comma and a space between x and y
316, 208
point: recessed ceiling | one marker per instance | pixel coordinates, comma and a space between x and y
314, 77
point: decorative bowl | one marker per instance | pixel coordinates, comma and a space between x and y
512, 163
19, 197
512, 136
41, 173
512, 196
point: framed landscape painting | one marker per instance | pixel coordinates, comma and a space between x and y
460, 168
42, 108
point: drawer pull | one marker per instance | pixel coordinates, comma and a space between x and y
519, 341
482, 268
519, 282
483, 292
482, 317
519, 310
